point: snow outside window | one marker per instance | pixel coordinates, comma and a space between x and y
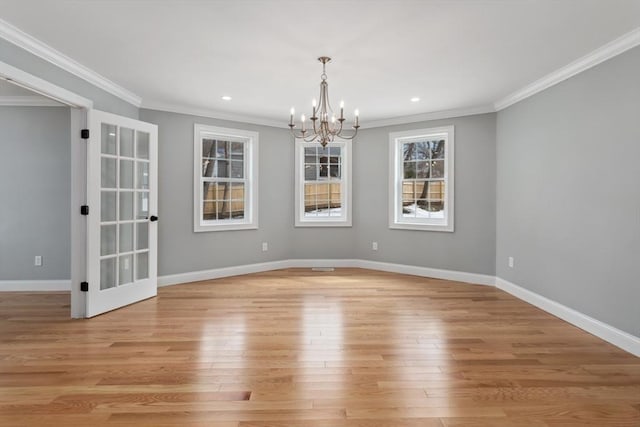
225, 179
421, 179
323, 184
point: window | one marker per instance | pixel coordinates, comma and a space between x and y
225, 179
421, 179
323, 184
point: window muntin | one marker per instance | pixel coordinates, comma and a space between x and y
226, 193
422, 179
323, 184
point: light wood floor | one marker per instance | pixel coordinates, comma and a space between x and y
351, 348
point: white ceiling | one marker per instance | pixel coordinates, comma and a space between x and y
455, 54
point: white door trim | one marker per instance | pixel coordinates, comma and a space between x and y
79, 118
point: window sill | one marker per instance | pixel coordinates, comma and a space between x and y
200, 228
422, 227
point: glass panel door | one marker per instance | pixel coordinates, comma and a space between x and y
122, 240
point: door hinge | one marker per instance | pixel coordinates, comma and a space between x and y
84, 210
84, 286
84, 134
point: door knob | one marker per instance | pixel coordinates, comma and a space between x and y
153, 218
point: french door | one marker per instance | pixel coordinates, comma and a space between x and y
122, 176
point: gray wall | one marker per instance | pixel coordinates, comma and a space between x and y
35, 182
568, 192
471, 247
182, 250
179, 248
19, 58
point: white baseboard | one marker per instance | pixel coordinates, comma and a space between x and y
600, 329
436, 273
34, 285
216, 273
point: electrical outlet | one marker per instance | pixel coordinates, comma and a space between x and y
265, 246
374, 246
38, 261
511, 261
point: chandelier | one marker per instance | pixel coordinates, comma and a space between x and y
329, 125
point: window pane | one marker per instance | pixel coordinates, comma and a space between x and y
126, 173
142, 235
437, 149
222, 169
237, 209
142, 175
126, 205
107, 273
108, 172
237, 191
422, 151
408, 151
142, 266
208, 166
108, 139
108, 206
142, 150
237, 151
125, 270
126, 238
310, 172
309, 197
335, 171
409, 170
437, 169
310, 155
209, 211
408, 190
208, 148
237, 169
209, 190
126, 142
142, 203
222, 149
422, 169
108, 239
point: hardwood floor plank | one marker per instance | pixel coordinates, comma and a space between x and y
349, 348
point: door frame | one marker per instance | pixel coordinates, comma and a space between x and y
80, 111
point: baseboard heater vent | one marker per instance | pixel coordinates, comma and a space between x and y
322, 269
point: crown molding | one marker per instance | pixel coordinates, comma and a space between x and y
28, 101
212, 114
423, 117
603, 53
49, 54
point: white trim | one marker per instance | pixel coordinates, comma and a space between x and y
603, 53
34, 285
43, 87
424, 117
459, 276
32, 45
346, 186
28, 101
600, 329
212, 114
396, 221
251, 161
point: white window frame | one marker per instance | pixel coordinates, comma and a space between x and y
396, 220
250, 220
345, 192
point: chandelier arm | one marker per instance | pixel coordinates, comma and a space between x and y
349, 137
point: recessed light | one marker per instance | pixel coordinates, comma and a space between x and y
226, 98
415, 99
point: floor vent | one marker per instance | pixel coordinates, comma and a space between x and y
323, 269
